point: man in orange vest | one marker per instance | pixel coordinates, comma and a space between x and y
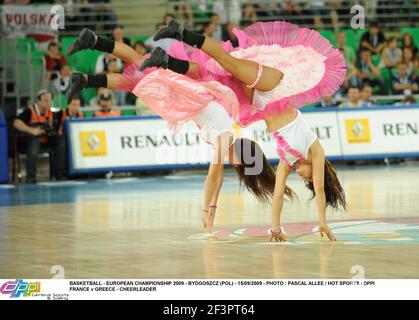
106, 102
72, 111
37, 123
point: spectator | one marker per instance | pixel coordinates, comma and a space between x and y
407, 101
229, 11
118, 35
36, 124
53, 61
103, 61
392, 55
201, 10
354, 99
366, 94
120, 96
367, 72
249, 14
348, 52
104, 14
290, 8
209, 30
106, 102
326, 102
167, 18
409, 59
72, 111
183, 12
141, 48
324, 9
165, 44
267, 11
62, 82
373, 40
218, 33
403, 82
408, 42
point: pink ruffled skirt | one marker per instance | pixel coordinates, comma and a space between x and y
178, 99
312, 67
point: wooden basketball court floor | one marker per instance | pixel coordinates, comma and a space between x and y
150, 228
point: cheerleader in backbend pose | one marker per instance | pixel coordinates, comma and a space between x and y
277, 68
179, 99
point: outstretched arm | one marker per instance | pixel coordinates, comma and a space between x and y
282, 174
318, 158
214, 180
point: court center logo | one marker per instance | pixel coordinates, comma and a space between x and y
93, 143
358, 131
20, 288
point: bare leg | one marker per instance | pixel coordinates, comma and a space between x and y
114, 80
126, 53
244, 70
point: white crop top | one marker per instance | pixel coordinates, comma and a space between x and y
294, 140
212, 121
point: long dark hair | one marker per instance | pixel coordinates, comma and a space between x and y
335, 195
262, 185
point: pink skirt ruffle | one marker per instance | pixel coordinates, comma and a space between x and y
312, 67
132, 75
178, 99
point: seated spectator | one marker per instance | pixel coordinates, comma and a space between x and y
403, 83
53, 61
407, 101
103, 61
373, 40
183, 12
249, 14
326, 102
62, 82
201, 10
229, 11
409, 59
218, 28
354, 99
72, 111
323, 9
267, 11
408, 42
392, 55
366, 94
118, 35
367, 72
36, 125
106, 104
209, 30
165, 44
120, 96
348, 52
141, 48
167, 18
104, 14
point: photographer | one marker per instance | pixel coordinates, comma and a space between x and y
71, 112
36, 127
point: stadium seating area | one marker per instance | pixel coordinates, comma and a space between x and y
204, 15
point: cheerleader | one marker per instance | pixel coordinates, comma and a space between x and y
179, 99
277, 68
